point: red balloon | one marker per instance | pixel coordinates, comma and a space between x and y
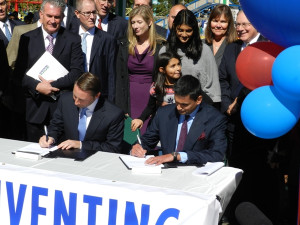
254, 64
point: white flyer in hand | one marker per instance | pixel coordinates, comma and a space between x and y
48, 67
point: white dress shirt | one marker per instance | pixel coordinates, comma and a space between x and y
45, 34
89, 43
3, 27
104, 23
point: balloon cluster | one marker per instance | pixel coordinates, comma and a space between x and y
272, 72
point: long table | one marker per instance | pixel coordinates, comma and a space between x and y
101, 190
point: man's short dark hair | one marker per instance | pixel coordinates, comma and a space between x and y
89, 82
188, 85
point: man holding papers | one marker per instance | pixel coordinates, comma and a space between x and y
84, 119
65, 47
189, 131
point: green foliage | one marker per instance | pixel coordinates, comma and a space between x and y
237, 2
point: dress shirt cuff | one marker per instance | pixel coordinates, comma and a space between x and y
183, 157
80, 145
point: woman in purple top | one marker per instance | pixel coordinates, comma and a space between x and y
135, 62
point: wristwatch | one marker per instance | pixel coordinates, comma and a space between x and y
175, 154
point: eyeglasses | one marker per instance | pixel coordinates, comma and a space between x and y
3, 3
109, 2
244, 25
88, 14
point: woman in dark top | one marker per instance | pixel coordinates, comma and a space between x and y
135, 61
168, 70
220, 31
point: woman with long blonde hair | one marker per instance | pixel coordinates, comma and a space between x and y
135, 62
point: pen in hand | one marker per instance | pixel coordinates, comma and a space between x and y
46, 133
139, 140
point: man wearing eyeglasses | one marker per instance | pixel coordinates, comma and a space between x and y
6, 25
42, 95
99, 47
109, 22
245, 150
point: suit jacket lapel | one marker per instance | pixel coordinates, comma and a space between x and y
172, 128
196, 129
96, 119
3, 37
74, 116
95, 45
60, 43
39, 43
111, 26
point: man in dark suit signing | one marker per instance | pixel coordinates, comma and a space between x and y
98, 46
6, 25
65, 47
190, 131
102, 122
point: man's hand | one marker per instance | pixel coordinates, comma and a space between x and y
135, 124
45, 88
232, 107
46, 144
68, 144
138, 151
160, 159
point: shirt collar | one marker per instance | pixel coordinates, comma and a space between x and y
2, 23
92, 106
90, 31
105, 20
45, 34
192, 115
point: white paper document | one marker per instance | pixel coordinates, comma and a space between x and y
138, 166
33, 151
48, 67
208, 169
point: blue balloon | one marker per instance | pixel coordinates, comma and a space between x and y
275, 19
266, 114
286, 73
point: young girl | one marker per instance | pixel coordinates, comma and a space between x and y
168, 70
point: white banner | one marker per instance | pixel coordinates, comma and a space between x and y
32, 196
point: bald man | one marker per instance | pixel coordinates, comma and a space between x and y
173, 13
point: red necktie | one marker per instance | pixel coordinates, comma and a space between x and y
99, 24
183, 134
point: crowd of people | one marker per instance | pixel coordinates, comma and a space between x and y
179, 90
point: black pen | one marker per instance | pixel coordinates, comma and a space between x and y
46, 132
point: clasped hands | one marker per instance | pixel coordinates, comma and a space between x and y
66, 145
45, 87
138, 151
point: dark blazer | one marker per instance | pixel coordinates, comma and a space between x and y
230, 84
105, 130
205, 142
67, 50
161, 31
122, 99
117, 26
4, 71
13, 23
102, 62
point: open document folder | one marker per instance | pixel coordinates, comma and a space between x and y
48, 67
